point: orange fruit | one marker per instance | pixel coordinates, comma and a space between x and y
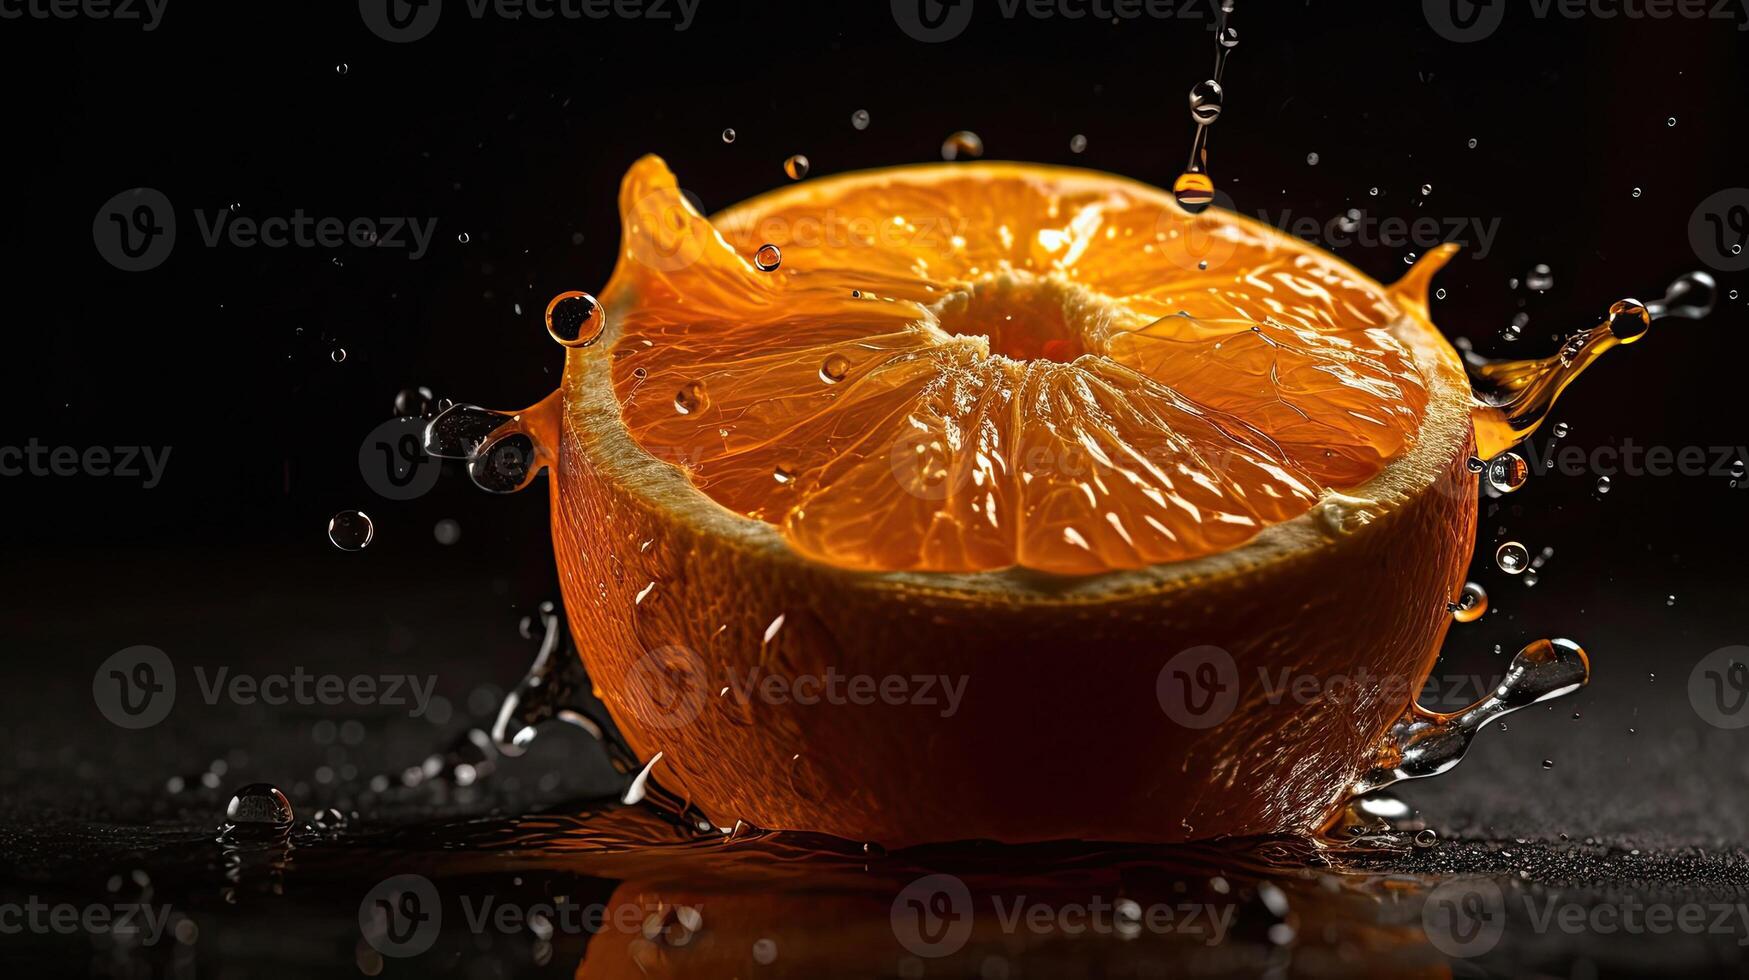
941, 502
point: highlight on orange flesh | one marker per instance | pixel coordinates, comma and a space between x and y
1033, 434
988, 366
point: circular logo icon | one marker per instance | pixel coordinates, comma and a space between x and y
1464, 917
923, 462
1718, 687
401, 916
400, 21
393, 461
667, 231
1464, 21
135, 688
932, 21
1199, 688
1198, 242
1719, 230
674, 686
932, 916
135, 230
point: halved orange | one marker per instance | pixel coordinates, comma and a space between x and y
1023, 433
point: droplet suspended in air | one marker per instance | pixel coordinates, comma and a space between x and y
1670, 600
1194, 191
1561, 429
964, 143
464, 238
1636, 192
338, 354
1312, 159
447, 531
342, 68
834, 369
768, 258
691, 398
1205, 101
1472, 142
1077, 143
728, 136
1471, 603
859, 119
1507, 472
796, 167
351, 530
1603, 484
1426, 189
575, 318
1671, 121
1512, 557
1629, 320
414, 402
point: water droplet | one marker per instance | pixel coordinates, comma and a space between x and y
1373, 191
782, 474
258, 807
1603, 484
342, 68
505, 464
1194, 191
1426, 838
329, 821
1312, 159
1669, 600
414, 402
1426, 189
236, 205
1439, 294
1228, 38
1629, 320
796, 167
834, 369
1530, 577
351, 530
768, 258
1507, 472
859, 119
1561, 429
1737, 470
1548, 763
575, 319
447, 531
1471, 603
1077, 143
1671, 121
1540, 279
338, 354
728, 136
1205, 101
1472, 142
1512, 557
690, 399
1636, 192
964, 143
464, 238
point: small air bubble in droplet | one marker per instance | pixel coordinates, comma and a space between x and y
835, 368
351, 530
690, 398
1507, 472
796, 167
1203, 265
1512, 557
859, 119
768, 258
964, 143
728, 136
1077, 143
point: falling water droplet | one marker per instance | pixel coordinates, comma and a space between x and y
796, 167
342, 68
1548, 763
1603, 484
964, 143
690, 399
1670, 600
1636, 192
859, 119
1077, 143
1471, 603
351, 530
768, 258
464, 238
447, 531
1508, 472
834, 369
1472, 142
414, 402
728, 136
1512, 557
1671, 121
338, 354
1561, 429
575, 319
1205, 101
1194, 191
1426, 189
1312, 159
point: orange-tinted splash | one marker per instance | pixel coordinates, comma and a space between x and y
973, 367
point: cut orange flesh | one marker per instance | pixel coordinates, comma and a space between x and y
969, 367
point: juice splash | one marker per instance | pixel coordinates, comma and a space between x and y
1194, 188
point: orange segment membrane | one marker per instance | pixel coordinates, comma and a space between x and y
982, 366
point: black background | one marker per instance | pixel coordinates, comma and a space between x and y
517, 132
